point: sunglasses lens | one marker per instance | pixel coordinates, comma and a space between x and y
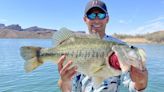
91, 16
101, 15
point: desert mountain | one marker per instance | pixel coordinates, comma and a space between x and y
16, 31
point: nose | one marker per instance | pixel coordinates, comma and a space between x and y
96, 20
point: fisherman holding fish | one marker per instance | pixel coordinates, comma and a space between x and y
96, 17
93, 62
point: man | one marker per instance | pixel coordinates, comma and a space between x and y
96, 17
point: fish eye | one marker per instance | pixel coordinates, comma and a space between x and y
132, 47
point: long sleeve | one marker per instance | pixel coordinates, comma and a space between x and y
82, 83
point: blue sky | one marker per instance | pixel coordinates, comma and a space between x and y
126, 16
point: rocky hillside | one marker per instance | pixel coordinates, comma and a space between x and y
16, 31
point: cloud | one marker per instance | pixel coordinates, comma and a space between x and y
149, 26
152, 27
131, 17
160, 18
122, 22
3, 20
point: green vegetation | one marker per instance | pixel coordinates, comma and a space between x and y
155, 37
123, 36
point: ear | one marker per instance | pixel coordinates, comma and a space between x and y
107, 19
84, 18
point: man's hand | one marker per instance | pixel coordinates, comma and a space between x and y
66, 74
139, 77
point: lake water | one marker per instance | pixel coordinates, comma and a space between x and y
44, 79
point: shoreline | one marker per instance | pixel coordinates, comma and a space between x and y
127, 40
139, 41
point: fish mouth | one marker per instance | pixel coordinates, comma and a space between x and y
113, 60
107, 64
108, 57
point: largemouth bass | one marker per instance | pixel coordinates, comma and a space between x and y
88, 52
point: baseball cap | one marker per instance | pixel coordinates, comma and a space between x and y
95, 4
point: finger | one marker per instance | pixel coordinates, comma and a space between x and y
60, 62
72, 72
65, 68
137, 71
137, 74
131, 73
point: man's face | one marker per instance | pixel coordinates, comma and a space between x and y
96, 24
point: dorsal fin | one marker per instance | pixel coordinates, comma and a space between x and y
91, 36
96, 35
61, 35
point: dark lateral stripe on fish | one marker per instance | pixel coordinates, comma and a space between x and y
84, 54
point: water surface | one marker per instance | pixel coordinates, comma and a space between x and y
44, 79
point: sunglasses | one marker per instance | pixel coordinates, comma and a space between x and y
100, 16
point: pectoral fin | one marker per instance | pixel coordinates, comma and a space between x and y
96, 68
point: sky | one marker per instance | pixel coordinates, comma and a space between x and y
126, 16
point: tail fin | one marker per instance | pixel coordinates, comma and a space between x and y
31, 56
